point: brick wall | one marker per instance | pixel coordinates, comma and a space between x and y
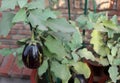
20, 31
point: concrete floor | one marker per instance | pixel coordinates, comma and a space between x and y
13, 80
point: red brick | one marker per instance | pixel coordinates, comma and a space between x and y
4, 46
18, 26
24, 32
17, 37
15, 70
1, 59
26, 72
13, 31
6, 65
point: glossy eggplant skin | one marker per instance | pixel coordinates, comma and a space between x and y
32, 56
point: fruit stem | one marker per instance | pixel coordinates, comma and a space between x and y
49, 73
33, 36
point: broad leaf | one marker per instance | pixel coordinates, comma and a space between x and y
114, 19
60, 25
75, 56
84, 53
36, 20
99, 45
61, 71
43, 68
116, 61
76, 41
114, 51
48, 14
102, 61
6, 23
5, 51
113, 71
8, 4
82, 68
20, 16
55, 46
22, 3
76, 80
82, 20
110, 59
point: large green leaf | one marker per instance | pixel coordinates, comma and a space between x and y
82, 68
61, 71
43, 68
76, 41
20, 16
114, 51
98, 42
48, 14
36, 20
84, 53
22, 3
82, 20
60, 25
102, 61
116, 61
18, 53
114, 19
5, 51
36, 4
113, 71
55, 46
6, 23
8, 4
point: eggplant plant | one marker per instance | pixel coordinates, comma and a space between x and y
104, 41
54, 43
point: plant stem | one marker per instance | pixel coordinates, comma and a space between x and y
86, 7
49, 73
94, 5
33, 36
69, 13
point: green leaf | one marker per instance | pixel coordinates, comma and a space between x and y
6, 23
76, 80
109, 24
20, 16
114, 51
102, 61
36, 4
22, 3
98, 42
8, 4
36, 20
76, 41
61, 71
110, 58
113, 71
84, 53
5, 51
114, 19
116, 61
18, 53
60, 25
22, 41
43, 68
55, 46
75, 56
82, 68
48, 14
82, 20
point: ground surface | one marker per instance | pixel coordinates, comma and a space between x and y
13, 80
